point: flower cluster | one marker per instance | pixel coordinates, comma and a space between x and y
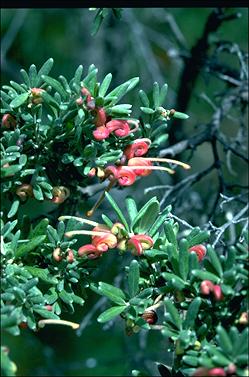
105, 238
105, 125
207, 288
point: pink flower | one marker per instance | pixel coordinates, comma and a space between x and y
199, 250
101, 133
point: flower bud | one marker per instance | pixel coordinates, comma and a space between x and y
197, 345
23, 325
101, 133
8, 121
199, 250
200, 372
92, 173
60, 194
217, 372
231, 369
70, 256
116, 230
206, 287
57, 254
150, 317
79, 101
49, 308
243, 319
217, 292
24, 191
85, 92
36, 95
100, 118
122, 245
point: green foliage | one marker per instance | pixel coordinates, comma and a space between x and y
48, 149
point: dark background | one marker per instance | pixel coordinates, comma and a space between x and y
150, 43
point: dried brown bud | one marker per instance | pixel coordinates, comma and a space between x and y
24, 191
150, 317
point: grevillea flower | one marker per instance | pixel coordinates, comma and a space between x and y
106, 241
206, 287
138, 148
217, 292
137, 161
125, 176
90, 251
8, 121
199, 250
101, 133
120, 127
117, 230
70, 256
139, 243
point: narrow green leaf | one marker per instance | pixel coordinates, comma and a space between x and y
156, 94
133, 278
66, 297
197, 238
171, 309
169, 277
56, 85
192, 313
146, 216
179, 115
45, 313
191, 360
163, 94
109, 314
144, 98
40, 228
19, 100
170, 234
45, 69
33, 75
147, 110
113, 293
214, 260
204, 275
29, 246
117, 210
107, 220
224, 340
105, 85
183, 259
131, 207
43, 274
14, 208
25, 77
160, 220
38, 194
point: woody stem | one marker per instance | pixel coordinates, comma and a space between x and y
101, 198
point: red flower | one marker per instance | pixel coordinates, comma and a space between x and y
200, 251
138, 148
101, 133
